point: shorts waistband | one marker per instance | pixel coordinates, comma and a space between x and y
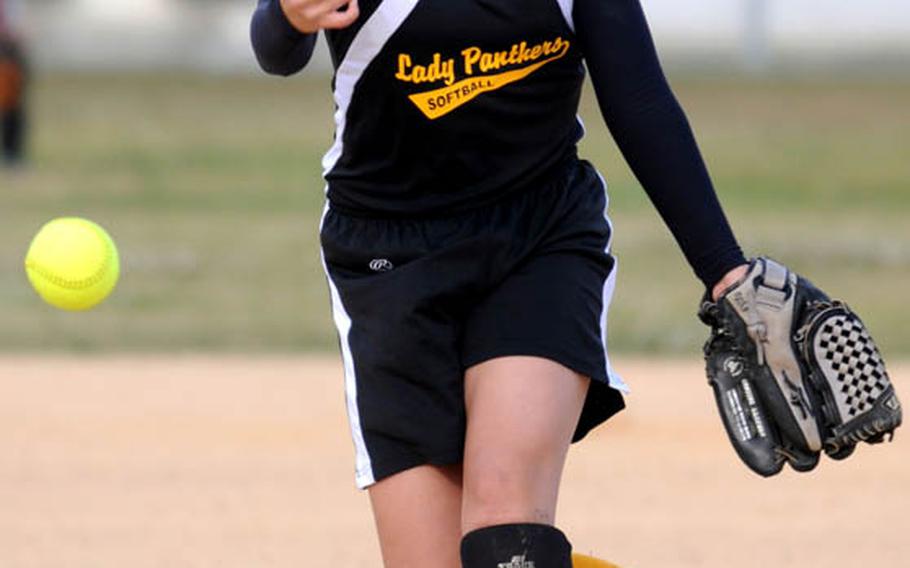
559, 175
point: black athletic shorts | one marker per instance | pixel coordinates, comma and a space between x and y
418, 301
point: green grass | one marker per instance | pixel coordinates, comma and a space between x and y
211, 187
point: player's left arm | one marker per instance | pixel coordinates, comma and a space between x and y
654, 135
794, 372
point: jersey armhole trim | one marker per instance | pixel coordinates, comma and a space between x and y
566, 6
364, 48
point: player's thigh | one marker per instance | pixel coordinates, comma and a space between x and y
522, 413
418, 517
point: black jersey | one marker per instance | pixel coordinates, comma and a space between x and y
444, 105
450, 104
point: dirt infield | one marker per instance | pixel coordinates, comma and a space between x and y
246, 462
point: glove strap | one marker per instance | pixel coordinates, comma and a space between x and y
765, 302
772, 291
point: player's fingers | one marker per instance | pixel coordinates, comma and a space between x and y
311, 11
323, 8
337, 20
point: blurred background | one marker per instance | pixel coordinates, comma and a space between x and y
150, 117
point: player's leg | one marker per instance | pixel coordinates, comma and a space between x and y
404, 382
5, 137
522, 413
12, 111
12, 125
418, 517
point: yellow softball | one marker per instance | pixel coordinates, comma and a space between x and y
73, 264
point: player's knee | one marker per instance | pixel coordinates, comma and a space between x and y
508, 495
483, 512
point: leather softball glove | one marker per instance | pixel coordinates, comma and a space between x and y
794, 373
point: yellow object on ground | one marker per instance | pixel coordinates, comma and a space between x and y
581, 561
73, 264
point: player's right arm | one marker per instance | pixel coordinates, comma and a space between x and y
284, 32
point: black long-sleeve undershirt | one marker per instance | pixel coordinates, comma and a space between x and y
653, 133
279, 47
637, 104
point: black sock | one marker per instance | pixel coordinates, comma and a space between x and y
516, 546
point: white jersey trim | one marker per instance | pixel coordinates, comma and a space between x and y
566, 7
363, 475
367, 44
609, 288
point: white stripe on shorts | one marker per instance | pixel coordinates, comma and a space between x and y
363, 475
609, 287
367, 44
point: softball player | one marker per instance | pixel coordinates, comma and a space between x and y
468, 251
12, 90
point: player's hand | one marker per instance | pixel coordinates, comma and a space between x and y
310, 16
729, 280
